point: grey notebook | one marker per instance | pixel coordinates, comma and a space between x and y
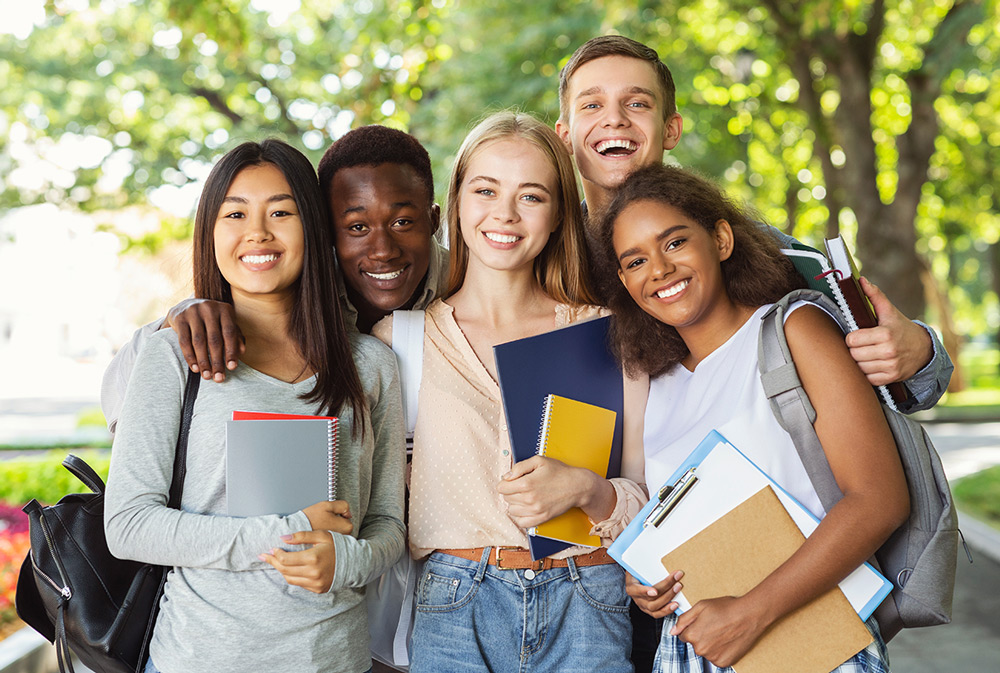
279, 466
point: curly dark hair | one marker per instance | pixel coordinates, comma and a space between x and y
373, 145
756, 273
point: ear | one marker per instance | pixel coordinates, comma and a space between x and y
621, 275
724, 239
562, 130
435, 218
672, 129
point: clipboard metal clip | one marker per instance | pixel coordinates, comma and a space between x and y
669, 496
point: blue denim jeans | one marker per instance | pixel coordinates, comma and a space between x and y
472, 616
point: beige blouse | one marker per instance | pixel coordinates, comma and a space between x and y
461, 448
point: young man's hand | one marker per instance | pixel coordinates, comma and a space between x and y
209, 337
895, 350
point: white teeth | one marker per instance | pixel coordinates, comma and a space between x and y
617, 143
259, 259
673, 289
384, 276
501, 238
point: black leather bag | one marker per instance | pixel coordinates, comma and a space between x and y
74, 592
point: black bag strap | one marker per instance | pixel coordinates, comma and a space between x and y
180, 453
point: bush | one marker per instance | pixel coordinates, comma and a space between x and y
44, 478
14, 544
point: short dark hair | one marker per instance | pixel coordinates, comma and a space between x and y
371, 146
317, 325
617, 45
756, 273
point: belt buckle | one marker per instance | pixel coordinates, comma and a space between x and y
499, 564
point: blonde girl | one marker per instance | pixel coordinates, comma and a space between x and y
517, 249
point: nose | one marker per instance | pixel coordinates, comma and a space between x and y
256, 229
382, 246
505, 210
615, 117
660, 265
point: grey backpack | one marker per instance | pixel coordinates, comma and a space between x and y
920, 557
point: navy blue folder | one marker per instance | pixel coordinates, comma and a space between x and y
572, 361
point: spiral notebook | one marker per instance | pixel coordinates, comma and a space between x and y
836, 275
578, 434
279, 463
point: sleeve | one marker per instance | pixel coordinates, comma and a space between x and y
381, 538
117, 374
137, 521
630, 499
930, 383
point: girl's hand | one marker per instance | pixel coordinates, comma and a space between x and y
313, 568
333, 515
657, 600
539, 489
721, 630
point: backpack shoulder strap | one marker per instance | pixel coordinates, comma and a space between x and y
788, 400
408, 345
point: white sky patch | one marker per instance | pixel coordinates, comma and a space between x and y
278, 11
179, 201
20, 18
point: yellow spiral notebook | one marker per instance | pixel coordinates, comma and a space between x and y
578, 434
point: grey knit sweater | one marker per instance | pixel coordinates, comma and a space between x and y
223, 609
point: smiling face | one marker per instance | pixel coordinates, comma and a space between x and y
258, 237
383, 222
614, 122
508, 201
670, 264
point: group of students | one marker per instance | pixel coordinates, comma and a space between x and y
292, 273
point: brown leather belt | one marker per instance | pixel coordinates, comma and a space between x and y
519, 558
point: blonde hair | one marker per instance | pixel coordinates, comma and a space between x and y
560, 267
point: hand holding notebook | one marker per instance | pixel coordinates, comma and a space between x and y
580, 435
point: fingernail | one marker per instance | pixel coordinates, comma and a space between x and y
262, 557
506, 476
651, 593
286, 538
673, 631
206, 375
219, 377
194, 368
678, 587
231, 364
680, 574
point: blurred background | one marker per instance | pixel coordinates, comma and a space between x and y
877, 119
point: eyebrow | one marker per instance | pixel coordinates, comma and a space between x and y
659, 237
632, 89
395, 205
271, 199
494, 181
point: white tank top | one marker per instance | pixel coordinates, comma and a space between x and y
723, 393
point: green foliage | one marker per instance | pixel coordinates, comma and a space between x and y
91, 417
818, 112
979, 495
44, 478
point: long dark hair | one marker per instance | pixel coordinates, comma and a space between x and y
316, 326
756, 273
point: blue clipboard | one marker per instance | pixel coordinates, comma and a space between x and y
644, 543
